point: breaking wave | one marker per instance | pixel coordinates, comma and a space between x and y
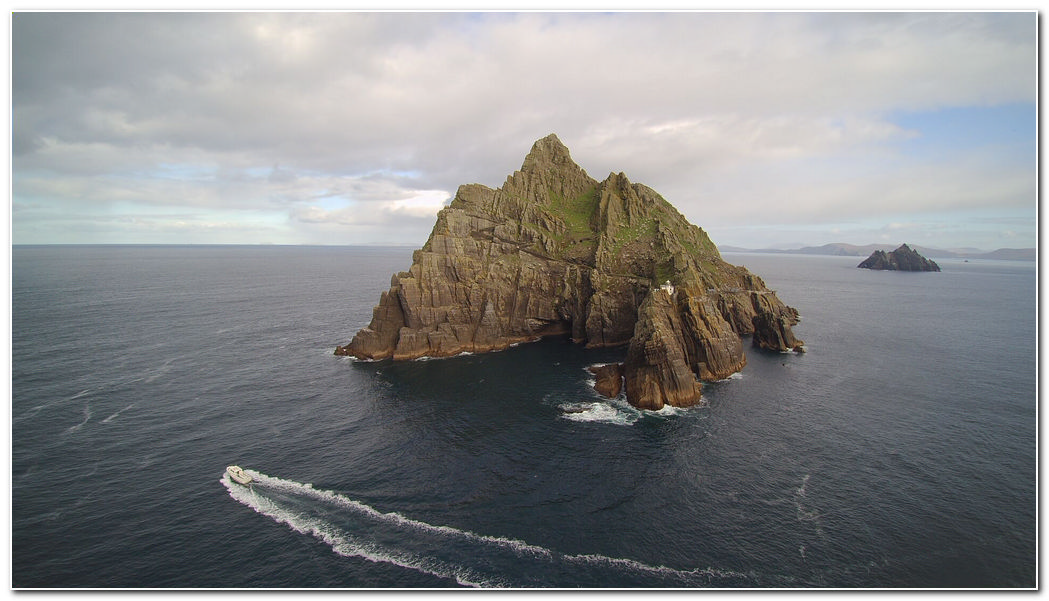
429, 358
615, 411
607, 412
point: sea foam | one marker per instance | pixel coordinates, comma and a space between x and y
611, 412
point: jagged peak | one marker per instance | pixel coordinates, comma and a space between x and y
617, 180
546, 151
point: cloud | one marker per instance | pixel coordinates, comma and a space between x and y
281, 176
287, 111
422, 206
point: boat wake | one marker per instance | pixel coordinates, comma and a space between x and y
354, 529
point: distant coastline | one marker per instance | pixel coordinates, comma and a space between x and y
841, 249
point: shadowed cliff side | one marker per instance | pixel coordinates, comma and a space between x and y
903, 258
555, 252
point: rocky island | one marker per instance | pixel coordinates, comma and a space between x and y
554, 252
903, 258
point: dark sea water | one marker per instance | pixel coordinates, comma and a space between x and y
900, 451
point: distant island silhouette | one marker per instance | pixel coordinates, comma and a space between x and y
852, 250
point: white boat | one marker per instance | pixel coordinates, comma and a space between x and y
238, 475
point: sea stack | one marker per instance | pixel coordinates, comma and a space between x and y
608, 263
903, 258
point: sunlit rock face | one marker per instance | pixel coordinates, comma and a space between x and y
556, 252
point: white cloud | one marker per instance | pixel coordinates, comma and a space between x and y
423, 206
287, 111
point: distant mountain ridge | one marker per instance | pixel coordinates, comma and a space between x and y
842, 249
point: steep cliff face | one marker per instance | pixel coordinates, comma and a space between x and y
555, 252
657, 370
903, 258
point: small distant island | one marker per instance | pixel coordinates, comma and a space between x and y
903, 258
554, 252
842, 249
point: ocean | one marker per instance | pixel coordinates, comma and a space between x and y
898, 452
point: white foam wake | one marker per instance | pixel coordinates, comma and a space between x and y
354, 529
392, 517
114, 416
347, 545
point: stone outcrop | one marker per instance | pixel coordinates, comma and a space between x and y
657, 370
556, 252
772, 332
903, 258
608, 379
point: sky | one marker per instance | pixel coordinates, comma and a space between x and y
767, 129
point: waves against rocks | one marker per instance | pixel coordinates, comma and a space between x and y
555, 252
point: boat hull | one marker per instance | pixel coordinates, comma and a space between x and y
238, 475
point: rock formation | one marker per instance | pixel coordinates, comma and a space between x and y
657, 369
608, 379
903, 258
773, 332
555, 252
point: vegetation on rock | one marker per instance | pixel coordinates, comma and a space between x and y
555, 252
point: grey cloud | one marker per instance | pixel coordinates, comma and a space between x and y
346, 103
281, 176
360, 89
23, 143
363, 216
